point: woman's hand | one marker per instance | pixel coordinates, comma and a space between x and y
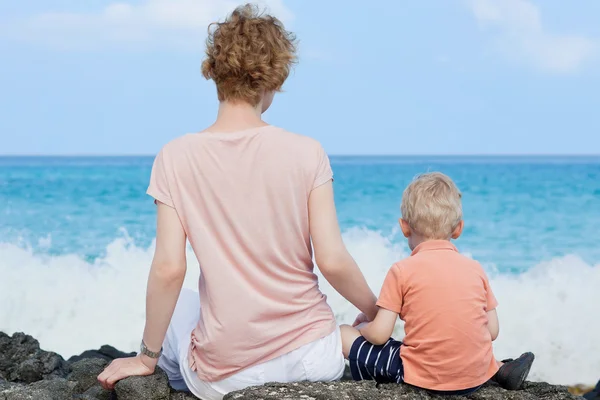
122, 368
361, 319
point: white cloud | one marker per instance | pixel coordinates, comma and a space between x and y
521, 35
180, 24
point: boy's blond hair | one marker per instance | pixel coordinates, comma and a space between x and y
431, 205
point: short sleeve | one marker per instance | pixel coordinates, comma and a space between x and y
323, 173
159, 184
491, 302
390, 297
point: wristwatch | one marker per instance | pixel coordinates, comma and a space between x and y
144, 350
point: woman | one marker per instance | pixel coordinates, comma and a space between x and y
249, 197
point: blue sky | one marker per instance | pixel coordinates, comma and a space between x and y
377, 77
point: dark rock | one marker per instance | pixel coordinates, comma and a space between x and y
25, 343
85, 373
15, 350
30, 370
113, 353
153, 387
545, 391
97, 392
105, 352
21, 360
5, 385
54, 366
370, 390
183, 396
54, 389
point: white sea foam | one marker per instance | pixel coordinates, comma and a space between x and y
72, 305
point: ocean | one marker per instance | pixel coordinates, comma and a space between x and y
76, 242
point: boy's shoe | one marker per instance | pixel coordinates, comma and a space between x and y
513, 373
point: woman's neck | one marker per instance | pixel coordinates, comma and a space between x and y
233, 117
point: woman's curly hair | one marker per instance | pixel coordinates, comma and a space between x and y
247, 54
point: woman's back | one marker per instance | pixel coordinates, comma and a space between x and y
245, 195
242, 198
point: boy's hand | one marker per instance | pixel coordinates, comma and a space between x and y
379, 331
361, 319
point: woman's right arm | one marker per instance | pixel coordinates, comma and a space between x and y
331, 255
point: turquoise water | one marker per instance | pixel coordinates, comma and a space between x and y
518, 211
76, 243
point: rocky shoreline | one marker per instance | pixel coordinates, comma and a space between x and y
29, 373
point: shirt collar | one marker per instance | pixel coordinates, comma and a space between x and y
434, 245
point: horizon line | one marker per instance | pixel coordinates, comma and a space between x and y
92, 155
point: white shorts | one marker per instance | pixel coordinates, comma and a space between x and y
319, 361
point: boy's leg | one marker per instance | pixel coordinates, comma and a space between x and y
381, 363
349, 335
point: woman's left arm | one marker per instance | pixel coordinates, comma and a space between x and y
164, 285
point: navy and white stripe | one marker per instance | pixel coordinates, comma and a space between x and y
381, 363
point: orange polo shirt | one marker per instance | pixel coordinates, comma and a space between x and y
443, 297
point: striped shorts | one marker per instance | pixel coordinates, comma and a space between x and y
380, 363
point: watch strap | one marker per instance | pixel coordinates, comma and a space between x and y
152, 354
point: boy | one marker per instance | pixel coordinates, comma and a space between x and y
446, 303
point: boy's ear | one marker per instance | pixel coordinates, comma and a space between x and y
458, 230
406, 231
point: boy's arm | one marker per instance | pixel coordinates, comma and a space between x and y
492, 303
390, 306
380, 330
493, 324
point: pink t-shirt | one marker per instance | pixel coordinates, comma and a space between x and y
242, 199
